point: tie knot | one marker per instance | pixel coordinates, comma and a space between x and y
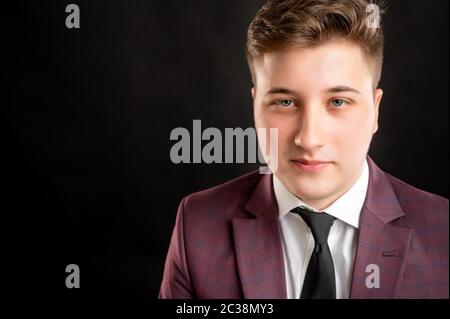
319, 223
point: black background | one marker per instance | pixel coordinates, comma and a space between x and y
89, 112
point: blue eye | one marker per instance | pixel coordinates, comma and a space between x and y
284, 102
337, 102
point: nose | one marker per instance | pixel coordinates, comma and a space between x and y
309, 135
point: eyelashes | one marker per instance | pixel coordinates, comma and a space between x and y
284, 102
339, 104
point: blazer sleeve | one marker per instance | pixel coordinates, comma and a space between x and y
176, 283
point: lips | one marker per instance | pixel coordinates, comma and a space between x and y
310, 166
311, 162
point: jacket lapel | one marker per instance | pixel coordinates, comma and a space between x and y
382, 243
259, 250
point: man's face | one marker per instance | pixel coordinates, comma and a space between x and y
321, 100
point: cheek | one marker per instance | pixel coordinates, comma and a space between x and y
259, 116
286, 128
264, 119
354, 134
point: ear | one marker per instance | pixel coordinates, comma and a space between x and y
378, 96
253, 92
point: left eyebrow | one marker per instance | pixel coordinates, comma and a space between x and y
342, 88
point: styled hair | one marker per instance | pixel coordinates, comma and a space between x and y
282, 24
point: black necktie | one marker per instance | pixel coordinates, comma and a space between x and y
319, 281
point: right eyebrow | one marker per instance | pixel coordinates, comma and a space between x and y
280, 90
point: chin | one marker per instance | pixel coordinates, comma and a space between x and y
310, 189
304, 192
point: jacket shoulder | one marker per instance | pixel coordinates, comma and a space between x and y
226, 197
420, 205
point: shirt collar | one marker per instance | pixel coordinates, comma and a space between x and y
346, 208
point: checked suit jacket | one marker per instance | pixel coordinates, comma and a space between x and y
227, 243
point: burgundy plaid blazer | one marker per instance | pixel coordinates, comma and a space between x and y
226, 242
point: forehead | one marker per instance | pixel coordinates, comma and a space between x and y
315, 67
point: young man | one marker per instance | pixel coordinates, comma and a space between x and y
328, 223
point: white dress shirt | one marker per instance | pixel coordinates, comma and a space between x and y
298, 242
